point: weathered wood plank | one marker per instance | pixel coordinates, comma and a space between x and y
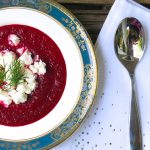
92, 18
97, 1
86, 1
91, 12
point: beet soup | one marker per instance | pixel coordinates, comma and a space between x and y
50, 86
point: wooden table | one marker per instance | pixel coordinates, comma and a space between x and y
92, 13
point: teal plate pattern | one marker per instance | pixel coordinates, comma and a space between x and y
63, 131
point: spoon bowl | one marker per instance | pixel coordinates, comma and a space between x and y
129, 43
129, 47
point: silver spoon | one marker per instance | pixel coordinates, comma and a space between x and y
129, 46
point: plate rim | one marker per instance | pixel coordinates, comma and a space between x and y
81, 85
91, 49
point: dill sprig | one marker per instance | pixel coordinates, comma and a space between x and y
17, 73
2, 75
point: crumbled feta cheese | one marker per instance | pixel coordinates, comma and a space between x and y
26, 87
30, 79
29, 76
19, 94
18, 97
31, 86
8, 76
42, 68
4, 97
13, 40
8, 87
33, 68
1, 59
38, 67
21, 87
26, 58
21, 50
8, 58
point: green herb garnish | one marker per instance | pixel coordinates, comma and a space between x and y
17, 73
2, 75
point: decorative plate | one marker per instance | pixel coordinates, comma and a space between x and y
78, 96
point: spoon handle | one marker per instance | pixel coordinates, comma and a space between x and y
135, 124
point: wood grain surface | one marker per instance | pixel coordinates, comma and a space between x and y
92, 13
97, 1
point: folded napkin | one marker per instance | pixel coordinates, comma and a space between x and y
107, 124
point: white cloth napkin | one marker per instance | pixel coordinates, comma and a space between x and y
107, 124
